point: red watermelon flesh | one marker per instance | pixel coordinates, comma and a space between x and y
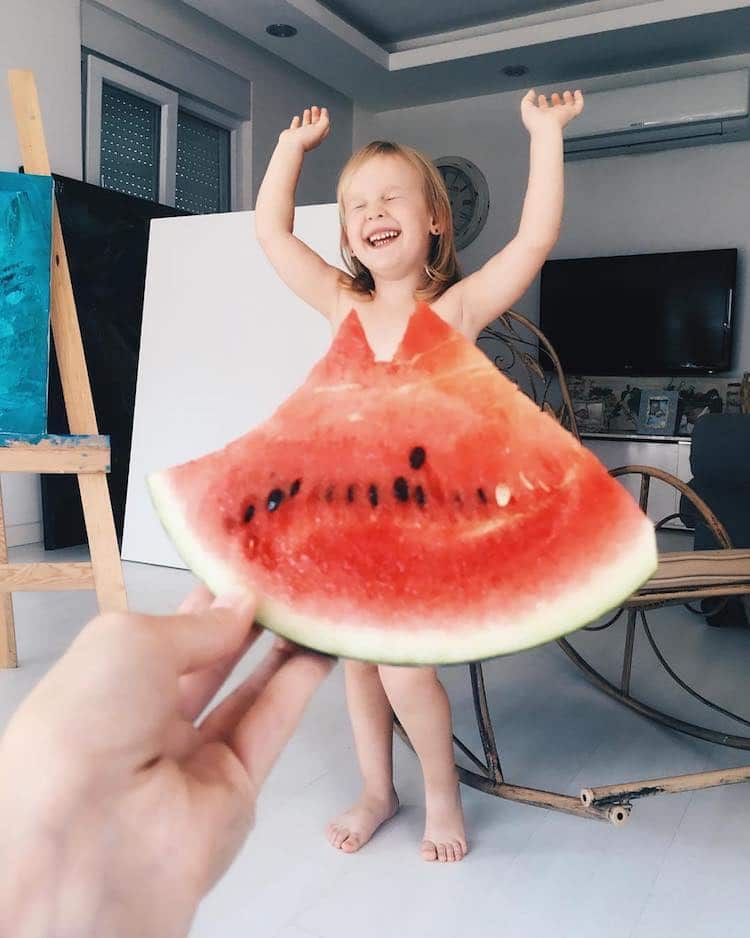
421, 510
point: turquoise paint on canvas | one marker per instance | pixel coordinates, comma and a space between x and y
25, 251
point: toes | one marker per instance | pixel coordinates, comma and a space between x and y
459, 849
449, 854
341, 834
429, 851
441, 854
351, 843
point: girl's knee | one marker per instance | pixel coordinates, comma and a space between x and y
357, 668
395, 678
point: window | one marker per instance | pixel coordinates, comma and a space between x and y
203, 165
130, 131
145, 139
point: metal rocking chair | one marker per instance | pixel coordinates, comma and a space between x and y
522, 351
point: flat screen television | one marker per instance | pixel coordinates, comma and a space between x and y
641, 314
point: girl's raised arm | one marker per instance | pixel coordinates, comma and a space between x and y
301, 269
495, 287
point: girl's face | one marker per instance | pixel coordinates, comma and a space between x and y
387, 221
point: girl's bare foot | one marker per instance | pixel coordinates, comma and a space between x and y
444, 834
356, 826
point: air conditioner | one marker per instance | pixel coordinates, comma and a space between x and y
682, 112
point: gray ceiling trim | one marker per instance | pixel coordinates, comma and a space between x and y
584, 19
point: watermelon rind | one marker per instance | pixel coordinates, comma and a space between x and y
594, 593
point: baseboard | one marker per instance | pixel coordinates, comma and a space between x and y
19, 534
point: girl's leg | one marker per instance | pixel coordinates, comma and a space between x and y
372, 723
422, 706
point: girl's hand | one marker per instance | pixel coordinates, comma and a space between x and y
310, 130
543, 114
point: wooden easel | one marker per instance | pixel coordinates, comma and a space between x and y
84, 452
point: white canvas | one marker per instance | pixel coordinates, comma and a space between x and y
223, 343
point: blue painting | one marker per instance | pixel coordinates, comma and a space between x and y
25, 251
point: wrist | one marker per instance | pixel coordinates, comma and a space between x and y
289, 144
546, 131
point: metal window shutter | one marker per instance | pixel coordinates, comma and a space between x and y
202, 165
129, 143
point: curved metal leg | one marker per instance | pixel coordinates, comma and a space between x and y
691, 729
484, 722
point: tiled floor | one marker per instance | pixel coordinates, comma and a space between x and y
680, 866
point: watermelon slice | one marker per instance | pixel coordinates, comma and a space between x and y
415, 511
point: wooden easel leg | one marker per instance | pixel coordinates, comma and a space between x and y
105, 556
8, 655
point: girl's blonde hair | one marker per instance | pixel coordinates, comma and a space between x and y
442, 268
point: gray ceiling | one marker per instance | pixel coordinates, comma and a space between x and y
391, 21
368, 51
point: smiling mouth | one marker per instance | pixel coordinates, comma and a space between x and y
383, 238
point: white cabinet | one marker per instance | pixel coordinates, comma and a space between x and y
669, 453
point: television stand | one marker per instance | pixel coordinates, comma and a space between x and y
671, 453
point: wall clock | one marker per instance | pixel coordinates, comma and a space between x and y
469, 196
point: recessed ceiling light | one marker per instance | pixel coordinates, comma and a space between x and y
515, 71
281, 30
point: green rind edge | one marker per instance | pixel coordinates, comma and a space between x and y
426, 647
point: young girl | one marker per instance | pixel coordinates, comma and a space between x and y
397, 243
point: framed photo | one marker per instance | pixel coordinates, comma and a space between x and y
658, 412
589, 415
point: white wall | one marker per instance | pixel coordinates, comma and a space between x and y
180, 46
45, 37
686, 199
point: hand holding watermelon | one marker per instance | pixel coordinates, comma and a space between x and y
123, 776
310, 130
537, 112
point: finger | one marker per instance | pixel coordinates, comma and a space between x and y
567, 97
530, 95
196, 600
542, 100
555, 98
198, 689
202, 639
223, 719
306, 116
295, 122
266, 728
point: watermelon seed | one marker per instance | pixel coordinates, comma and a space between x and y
350, 493
419, 496
373, 495
401, 489
525, 481
481, 496
329, 494
295, 487
457, 498
249, 512
417, 457
502, 495
275, 498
